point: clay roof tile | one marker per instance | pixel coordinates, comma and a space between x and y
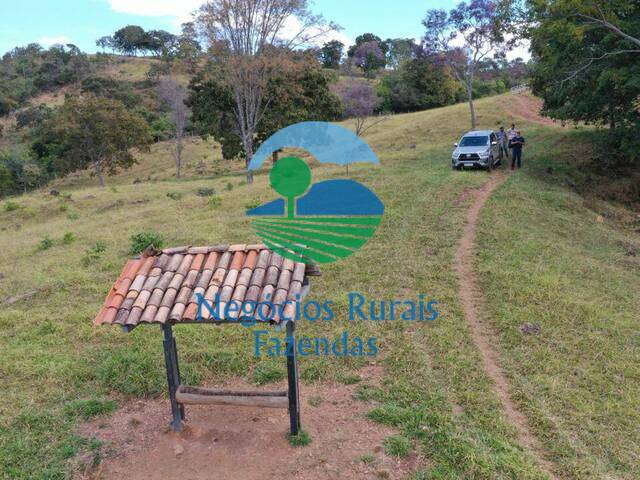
163, 286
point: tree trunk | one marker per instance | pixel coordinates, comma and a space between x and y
471, 108
248, 148
178, 155
99, 174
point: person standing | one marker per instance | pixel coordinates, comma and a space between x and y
511, 133
516, 144
503, 142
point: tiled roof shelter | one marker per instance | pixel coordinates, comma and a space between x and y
164, 286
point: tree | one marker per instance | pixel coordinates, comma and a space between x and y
130, 39
366, 38
400, 51
18, 173
247, 39
299, 92
90, 132
331, 54
105, 42
420, 84
160, 42
108, 87
360, 101
587, 67
369, 57
188, 48
479, 26
173, 95
368, 53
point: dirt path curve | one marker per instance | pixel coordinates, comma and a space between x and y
481, 332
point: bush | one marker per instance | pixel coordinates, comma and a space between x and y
45, 243
301, 440
214, 201
68, 238
251, 204
93, 253
397, 446
206, 192
140, 241
229, 186
10, 206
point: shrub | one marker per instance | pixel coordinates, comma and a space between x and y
73, 216
93, 253
10, 206
140, 241
206, 192
174, 195
45, 243
214, 201
367, 459
68, 237
301, 440
397, 446
229, 186
251, 204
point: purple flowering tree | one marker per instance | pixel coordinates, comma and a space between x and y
360, 101
464, 37
369, 57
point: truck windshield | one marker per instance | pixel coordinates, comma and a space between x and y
475, 141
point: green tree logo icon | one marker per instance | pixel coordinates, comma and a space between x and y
290, 177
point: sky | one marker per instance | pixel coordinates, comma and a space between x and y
81, 22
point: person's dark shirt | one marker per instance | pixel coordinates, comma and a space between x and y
517, 142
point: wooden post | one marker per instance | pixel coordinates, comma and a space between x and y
173, 377
292, 378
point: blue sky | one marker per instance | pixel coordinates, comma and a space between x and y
82, 21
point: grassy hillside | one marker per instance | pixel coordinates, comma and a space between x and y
544, 258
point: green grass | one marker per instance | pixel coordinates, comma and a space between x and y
302, 439
87, 409
544, 259
368, 459
397, 446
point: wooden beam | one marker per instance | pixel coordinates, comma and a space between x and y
203, 396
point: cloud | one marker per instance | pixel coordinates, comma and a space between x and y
181, 9
48, 41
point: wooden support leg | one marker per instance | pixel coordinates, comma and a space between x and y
292, 377
173, 377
